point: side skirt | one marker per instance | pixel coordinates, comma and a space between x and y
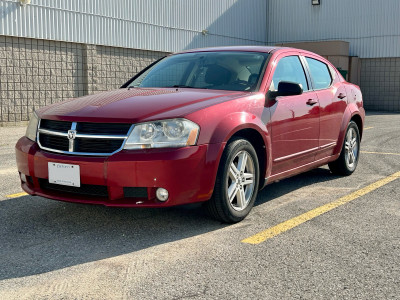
301, 169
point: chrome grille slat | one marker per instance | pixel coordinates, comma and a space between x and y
80, 135
98, 136
57, 137
50, 132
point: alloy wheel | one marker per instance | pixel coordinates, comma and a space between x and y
240, 182
351, 148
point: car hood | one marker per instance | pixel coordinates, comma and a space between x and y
136, 105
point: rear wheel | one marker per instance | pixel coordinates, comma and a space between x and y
347, 162
236, 184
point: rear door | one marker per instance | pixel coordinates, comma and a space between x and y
294, 123
332, 100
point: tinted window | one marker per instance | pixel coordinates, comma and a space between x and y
320, 74
223, 70
168, 76
289, 68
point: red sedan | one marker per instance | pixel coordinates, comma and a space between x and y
209, 125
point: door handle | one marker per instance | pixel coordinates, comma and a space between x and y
341, 96
311, 102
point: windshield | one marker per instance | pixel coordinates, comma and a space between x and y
225, 70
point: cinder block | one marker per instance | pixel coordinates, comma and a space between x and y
11, 117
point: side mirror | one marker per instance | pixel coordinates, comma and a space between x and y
286, 88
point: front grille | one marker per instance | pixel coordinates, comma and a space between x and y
84, 189
96, 145
54, 142
82, 137
55, 125
103, 128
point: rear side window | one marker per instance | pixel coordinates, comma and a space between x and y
289, 68
320, 74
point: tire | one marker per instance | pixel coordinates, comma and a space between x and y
236, 185
347, 162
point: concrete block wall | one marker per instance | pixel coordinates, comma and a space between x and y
35, 73
380, 83
110, 67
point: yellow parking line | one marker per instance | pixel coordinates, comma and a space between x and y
16, 195
386, 153
368, 128
296, 221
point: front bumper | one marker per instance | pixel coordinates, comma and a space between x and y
187, 173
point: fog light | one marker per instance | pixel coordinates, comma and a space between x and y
162, 194
23, 177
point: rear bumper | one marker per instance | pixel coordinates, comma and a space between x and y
187, 173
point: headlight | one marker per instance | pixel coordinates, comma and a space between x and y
163, 134
32, 127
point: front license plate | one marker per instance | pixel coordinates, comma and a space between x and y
64, 174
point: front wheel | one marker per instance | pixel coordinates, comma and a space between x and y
347, 162
236, 184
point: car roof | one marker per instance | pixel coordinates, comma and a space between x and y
265, 49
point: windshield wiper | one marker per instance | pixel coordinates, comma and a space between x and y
187, 87
182, 86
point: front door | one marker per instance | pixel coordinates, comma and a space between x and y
294, 123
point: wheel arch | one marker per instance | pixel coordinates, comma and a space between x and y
257, 141
351, 114
358, 120
219, 127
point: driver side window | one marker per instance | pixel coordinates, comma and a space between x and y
289, 68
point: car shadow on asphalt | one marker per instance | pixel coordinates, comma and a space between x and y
38, 235
288, 185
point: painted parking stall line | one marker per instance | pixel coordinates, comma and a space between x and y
383, 153
296, 221
16, 195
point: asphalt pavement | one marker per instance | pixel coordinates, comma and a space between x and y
57, 250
